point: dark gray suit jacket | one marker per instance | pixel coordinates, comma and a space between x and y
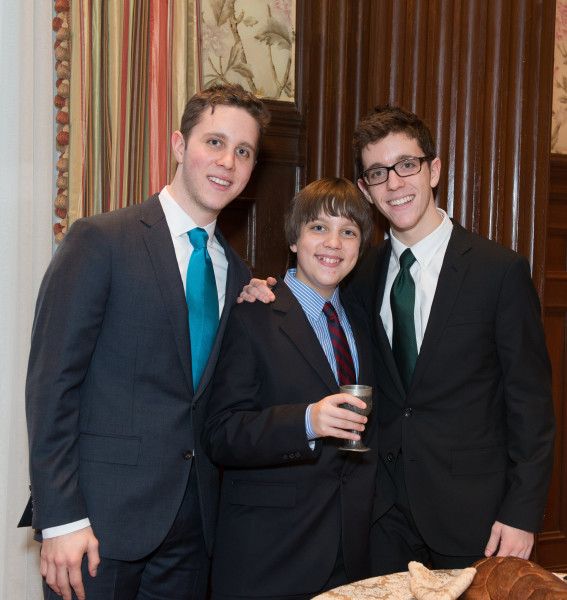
284, 508
476, 429
112, 415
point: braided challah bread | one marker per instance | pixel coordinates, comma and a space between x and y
509, 578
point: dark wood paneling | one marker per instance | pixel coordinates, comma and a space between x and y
552, 544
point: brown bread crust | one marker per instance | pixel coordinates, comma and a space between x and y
509, 578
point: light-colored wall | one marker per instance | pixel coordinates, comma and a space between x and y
559, 123
26, 204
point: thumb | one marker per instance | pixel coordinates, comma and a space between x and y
93, 559
494, 540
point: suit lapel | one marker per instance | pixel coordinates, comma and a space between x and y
453, 272
295, 325
232, 290
382, 264
157, 238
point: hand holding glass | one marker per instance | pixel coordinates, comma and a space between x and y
364, 393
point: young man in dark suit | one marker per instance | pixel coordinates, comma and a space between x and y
295, 509
119, 376
466, 423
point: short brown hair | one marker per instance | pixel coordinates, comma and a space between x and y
383, 121
337, 197
227, 95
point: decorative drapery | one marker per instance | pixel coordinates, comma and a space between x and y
133, 65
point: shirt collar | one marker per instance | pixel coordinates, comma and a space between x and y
425, 249
311, 302
178, 221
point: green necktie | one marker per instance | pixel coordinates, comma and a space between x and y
402, 300
202, 302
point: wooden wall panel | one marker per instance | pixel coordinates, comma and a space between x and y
334, 77
552, 544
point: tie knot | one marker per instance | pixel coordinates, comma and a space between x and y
198, 237
407, 259
330, 311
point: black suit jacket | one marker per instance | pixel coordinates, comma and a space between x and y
112, 415
476, 428
284, 508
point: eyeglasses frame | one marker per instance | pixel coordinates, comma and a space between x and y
393, 168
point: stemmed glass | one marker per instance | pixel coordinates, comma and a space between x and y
364, 392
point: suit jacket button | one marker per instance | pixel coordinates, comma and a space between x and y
285, 456
187, 454
408, 412
390, 457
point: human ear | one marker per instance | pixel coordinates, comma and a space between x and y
435, 172
362, 187
178, 146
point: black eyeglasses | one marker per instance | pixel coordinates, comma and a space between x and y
403, 168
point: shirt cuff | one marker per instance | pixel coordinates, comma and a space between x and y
52, 532
311, 435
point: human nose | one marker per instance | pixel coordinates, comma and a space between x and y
333, 239
394, 181
226, 158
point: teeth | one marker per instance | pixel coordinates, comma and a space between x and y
219, 181
331, 261
401, 201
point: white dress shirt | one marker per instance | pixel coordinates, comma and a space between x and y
429, 253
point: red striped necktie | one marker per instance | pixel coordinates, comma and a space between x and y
343, 357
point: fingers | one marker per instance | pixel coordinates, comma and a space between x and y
348, 399
57, 577
61, 559
258, 289
329, 419
73, 579
509, 541
49, 571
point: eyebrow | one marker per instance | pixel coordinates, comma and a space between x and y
397, 160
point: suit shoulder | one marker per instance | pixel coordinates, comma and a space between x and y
489, 251
118, 218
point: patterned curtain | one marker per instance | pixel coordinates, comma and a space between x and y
133, 65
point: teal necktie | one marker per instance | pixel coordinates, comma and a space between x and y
202, 303
402, 300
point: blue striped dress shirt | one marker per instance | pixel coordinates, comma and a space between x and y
312, 304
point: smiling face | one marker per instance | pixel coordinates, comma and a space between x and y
216, 163
327, 251
407, 202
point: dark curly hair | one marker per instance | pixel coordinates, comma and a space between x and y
383, 121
